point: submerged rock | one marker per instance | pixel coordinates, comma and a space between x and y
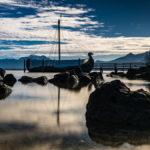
115, 75
5, 90
39, 80
25, 79
9, 79
116, 115
65, 80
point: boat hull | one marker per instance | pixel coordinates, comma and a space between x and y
85, 67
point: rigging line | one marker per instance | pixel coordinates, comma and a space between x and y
67, 45
52, 46
64, 45
52, 52
74, 43
83, 46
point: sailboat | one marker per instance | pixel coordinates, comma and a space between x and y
86, 65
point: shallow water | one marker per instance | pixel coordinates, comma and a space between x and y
33, 117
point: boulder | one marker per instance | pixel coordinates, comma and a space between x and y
2, 72
1, 78
95, 75
144, 76
114, 104
84, 78
61, 77
65, 80
25, 79
5, 90
115, 75
39, 80
96, 78
131, 73
9, 79
117, 115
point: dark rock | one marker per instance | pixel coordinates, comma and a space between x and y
115, 75
1, 78
26, 79
5, 90
116, 115
41, 80
9, 79
96, 78
61, 77
95, 75
84, 78
2, 72
114, 104
144, 76
131, 73
65, 80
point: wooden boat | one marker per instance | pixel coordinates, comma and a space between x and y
86, 65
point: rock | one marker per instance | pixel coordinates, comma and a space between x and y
113, 104
95, 75
84, 78
25, 79
2, 72
1, 78
39, 80
65, 80
61, 77
131, 73
144, 76
117, 115
96, 78
9, 79
115, 75
5, 90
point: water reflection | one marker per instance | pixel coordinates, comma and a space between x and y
58, 108
116, 137
47, 117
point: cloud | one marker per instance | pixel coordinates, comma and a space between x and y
78, 31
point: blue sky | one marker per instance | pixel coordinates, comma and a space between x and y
109, 28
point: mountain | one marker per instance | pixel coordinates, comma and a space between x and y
35, 57
131, 58
18, 63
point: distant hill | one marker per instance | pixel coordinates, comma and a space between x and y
131, 58
35, 57
18, 63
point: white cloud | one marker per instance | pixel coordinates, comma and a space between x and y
41, 27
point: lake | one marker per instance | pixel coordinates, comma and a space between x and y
35, 117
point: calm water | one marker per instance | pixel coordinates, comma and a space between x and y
34, 118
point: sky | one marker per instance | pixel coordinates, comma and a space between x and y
109, 28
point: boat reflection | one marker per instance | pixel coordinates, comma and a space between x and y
58, 108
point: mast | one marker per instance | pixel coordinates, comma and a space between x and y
59, 56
